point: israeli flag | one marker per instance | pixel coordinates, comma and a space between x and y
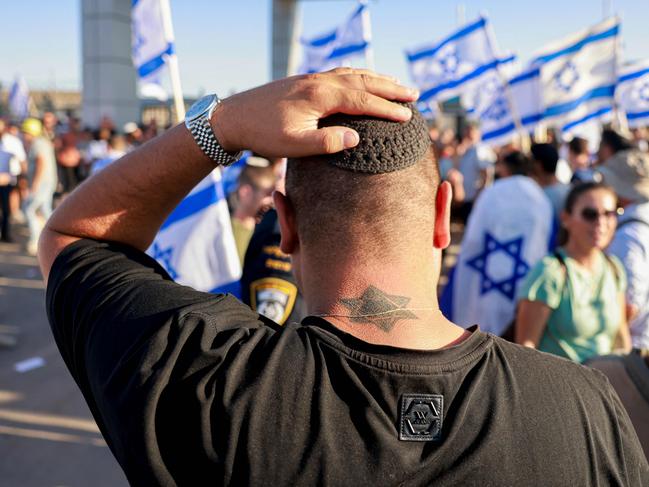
441, 70
195, 244
632, 93
488, 103
579, 74
507, 233
19, 99
335, 48
152, 45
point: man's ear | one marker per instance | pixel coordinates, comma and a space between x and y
287, 222
442, 231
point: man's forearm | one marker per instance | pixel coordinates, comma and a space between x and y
129, 200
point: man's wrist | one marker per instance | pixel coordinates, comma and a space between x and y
222, 125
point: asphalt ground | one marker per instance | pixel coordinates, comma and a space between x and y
48, 437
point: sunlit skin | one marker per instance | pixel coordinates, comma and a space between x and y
586, 237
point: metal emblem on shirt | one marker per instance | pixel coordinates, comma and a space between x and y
420, 417
274, 298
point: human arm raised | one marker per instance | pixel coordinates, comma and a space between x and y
128, 201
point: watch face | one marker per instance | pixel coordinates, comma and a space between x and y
201, 106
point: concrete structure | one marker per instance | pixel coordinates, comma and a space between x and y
285, 34
109, 78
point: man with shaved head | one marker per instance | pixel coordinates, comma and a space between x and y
375, 386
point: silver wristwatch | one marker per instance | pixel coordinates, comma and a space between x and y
198, 123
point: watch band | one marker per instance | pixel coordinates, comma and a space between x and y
198, 123
206, 140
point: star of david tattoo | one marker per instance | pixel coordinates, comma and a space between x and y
378, 308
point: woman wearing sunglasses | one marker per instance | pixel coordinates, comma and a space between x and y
571, 303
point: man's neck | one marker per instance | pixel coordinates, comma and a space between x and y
545, 180
386, 303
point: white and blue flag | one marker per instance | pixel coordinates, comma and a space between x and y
152, 45
443, 69
195, 244
337, 47
508, 231
632, 93
579, 74
488, 103
19, 99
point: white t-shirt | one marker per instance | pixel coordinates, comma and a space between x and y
12, 153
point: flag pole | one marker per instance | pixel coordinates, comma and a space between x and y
525, 137
367, 34
172, 62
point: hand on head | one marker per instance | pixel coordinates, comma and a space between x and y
281, 118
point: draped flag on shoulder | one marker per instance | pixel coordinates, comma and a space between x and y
632, 93
152, 45
579, 74
442, 70
19, 99
507, 233
195, 244
337, 47
488, 103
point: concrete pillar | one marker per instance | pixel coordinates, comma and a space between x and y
285, 32
109, 78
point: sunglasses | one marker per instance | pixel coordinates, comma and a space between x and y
591, 215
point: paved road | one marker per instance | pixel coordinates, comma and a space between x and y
47, 434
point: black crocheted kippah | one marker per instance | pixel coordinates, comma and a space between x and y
384, 146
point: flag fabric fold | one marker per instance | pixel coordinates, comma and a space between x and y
151, 45
488, 103
335, 48
444, 69
579, 74
18, 100
195, 244
507, 233
632, 93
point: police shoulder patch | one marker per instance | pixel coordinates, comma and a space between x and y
273, 297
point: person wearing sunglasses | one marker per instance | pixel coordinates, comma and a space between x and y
572, 302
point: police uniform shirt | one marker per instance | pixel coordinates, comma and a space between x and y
191, 389
267, 282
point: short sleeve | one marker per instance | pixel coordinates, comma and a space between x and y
544, 283
147, 351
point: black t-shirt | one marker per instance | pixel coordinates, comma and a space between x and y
190, 388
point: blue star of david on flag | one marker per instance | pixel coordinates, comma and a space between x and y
567, 76
643, 93
138, 42
498, 109
164, 258
512, 248
449, 62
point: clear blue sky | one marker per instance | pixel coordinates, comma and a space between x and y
225, 45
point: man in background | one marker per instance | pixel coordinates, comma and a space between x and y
12, 163
251, 198
41, 179
476, 165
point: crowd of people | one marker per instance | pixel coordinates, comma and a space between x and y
376, 385
582, 295
44, 159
